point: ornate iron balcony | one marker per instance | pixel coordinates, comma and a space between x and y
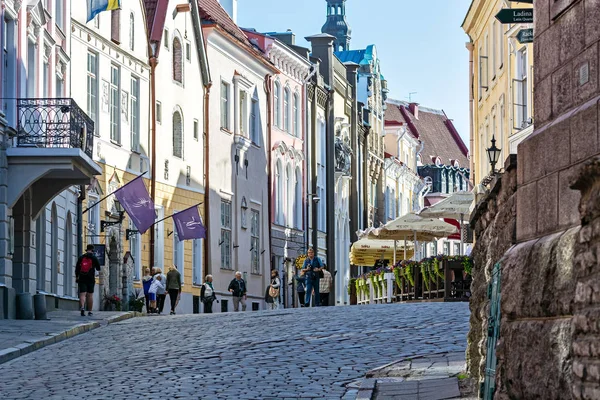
54, 123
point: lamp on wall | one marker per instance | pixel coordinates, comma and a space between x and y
493, 154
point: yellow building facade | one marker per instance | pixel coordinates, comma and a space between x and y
500, 86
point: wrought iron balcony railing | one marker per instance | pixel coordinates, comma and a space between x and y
54, 123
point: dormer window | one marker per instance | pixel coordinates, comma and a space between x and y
438, 162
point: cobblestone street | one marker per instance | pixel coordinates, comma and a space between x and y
307, 353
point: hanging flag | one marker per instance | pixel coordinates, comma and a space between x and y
95, 7
137, 203
189, 224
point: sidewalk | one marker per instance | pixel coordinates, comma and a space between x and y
432, 377
20, 337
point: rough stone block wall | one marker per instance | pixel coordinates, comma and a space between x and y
586, 321
547, 293
494, 226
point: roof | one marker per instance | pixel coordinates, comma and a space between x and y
355, 56
433, 128
150, 6
211, 10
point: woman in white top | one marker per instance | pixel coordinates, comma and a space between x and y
272, 295
207, 294
161, 293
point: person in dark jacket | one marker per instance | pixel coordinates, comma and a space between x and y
174, 287
146, 283
85, 276
207, 294
237, 287
312, 267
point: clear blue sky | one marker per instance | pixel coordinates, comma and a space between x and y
420, 43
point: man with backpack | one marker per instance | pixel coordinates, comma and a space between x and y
85, 276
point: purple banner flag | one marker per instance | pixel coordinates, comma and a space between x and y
189, 224
137, 203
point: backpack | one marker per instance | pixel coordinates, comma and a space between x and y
86, 265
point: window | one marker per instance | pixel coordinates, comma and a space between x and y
224, 105
521, 87
254, 135
134, 113
434, 249
286, 110
159, 112
276, 104
115, 26
177, 135
443, 189
457, 249
255, 241
243, 113
298, 200
92, 88
178, 253
388, 203
9, 67
97, 21
31, 69
296, 111
60, 83
500, 36
60, 14
196, 129
197, 262
400, 213
135, 247
494, 49
279, 219
166, 39
321, 178
177, 61
188, 51
46, 76
289, 198
131, 31
483, 72
446, 248
115, 101
225, 234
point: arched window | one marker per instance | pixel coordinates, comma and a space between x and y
289, 196
177, 61
296, 111
278, 194
298, 199
177, 135
276, 104
286, 110
131, 31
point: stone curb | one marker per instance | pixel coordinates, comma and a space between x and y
373, 371
32, 345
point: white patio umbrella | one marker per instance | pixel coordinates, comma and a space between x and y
366, 251
419, 228
455, 206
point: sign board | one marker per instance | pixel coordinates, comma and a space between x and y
515, 16
522, 1
525, 36
100, 253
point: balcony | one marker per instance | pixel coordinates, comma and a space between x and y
54, 148
54, 123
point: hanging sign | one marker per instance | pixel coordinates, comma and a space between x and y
525, 36
515, 16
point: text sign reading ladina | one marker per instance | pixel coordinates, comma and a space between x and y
515, 16
525, 36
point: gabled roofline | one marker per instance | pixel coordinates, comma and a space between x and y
200, 45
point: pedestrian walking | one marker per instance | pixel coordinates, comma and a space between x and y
174, 287
237, 288
156, 284
272, 295
146, 283
161, 294
325, 287
312, 271
300, 286
85, 276
207, 294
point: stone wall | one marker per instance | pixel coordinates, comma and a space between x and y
493, 222
586, 321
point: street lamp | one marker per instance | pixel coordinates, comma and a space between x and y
493, 154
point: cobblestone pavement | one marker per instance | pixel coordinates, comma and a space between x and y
301, 353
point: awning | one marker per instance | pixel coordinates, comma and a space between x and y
366, 252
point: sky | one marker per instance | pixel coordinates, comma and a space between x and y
420, 43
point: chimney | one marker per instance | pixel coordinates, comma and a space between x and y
414, 109
231, 7
287, 37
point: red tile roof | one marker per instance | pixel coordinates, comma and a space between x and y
434, 129
211, 10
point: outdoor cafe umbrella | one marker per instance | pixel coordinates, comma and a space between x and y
455, 206
421, 229
366, 251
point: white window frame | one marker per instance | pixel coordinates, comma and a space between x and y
225, 105
254, 114
92, 83
289, 196
287, 114
243, 113
279, 193
226, 234
196, 129
298, 199
115, 109
296, 115
255, 241
131, 31
134, 113
166, 39
158, 112
277, 104
181, 139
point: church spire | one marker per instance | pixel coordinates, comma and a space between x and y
336, 24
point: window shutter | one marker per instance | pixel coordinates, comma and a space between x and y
115, 26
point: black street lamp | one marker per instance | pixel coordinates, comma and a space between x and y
493, 154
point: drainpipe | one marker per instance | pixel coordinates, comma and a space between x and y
267, 87
470, 47
153, 64
207, 249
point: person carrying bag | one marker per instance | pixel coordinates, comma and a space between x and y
272, 295
207, 294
